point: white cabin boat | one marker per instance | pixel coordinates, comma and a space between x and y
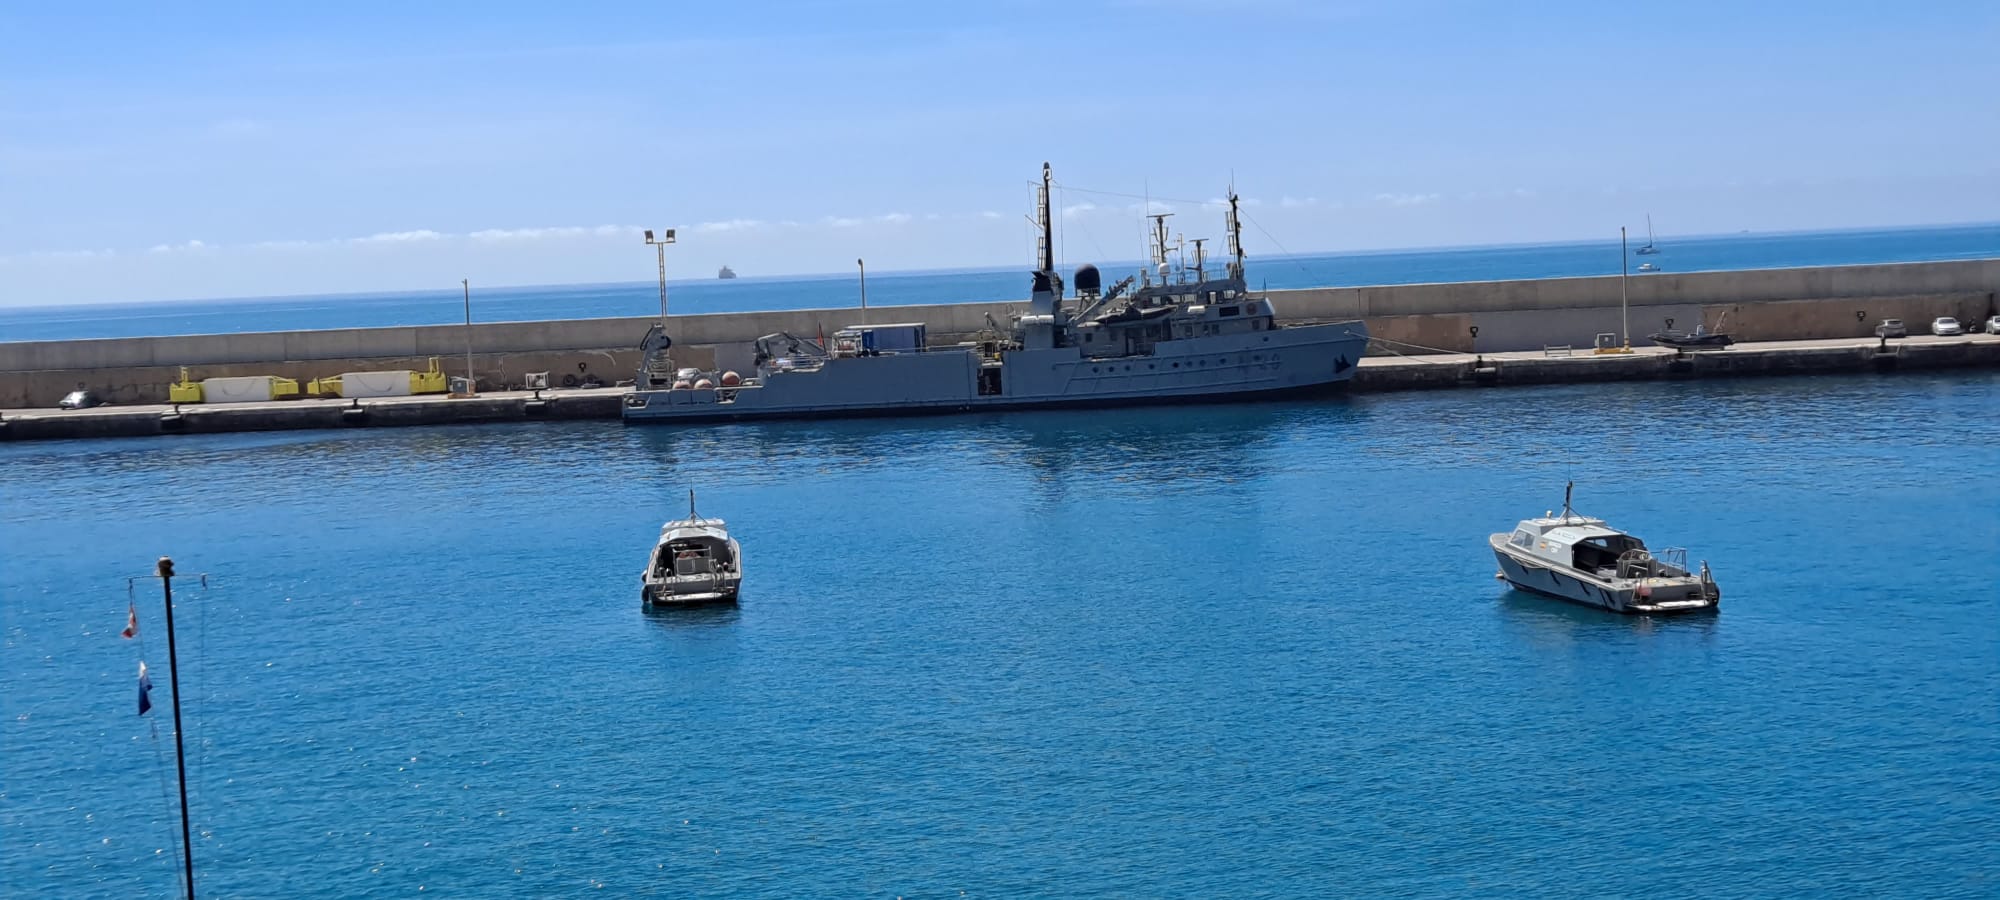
1583, 560
695, 561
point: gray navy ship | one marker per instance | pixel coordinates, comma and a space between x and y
1185, 337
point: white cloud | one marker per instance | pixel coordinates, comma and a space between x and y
730, 225
894, 218
1290, 202
1150, 208
988, 214
190, 246
841, 222
1408, 199
518, 234
1071, 211
394, 237
68, 255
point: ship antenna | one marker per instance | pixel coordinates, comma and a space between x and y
1200, 274
1235, 236
1566, 490
691, 512
1048, 263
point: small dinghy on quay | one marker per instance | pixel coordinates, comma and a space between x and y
1583, 560
694, 562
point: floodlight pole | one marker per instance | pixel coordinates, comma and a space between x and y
660, 244
864, 290
471, 385
1624, 263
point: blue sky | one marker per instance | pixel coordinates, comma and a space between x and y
236, 149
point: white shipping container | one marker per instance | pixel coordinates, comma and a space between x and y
240, 389
375, 384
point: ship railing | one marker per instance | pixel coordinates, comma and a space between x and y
1673, 556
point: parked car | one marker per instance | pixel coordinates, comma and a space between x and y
80, 400
1946, 325
1993, 325
1891, 328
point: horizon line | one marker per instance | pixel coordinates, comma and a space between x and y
972, 270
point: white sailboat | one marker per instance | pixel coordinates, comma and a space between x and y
1649, 249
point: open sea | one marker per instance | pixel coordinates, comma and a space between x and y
752, 293
1249, 650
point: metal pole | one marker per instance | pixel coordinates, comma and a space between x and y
1625, 321
471, 386
166, 570
662, 248
864, 290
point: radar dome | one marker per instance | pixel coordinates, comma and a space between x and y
1087, 279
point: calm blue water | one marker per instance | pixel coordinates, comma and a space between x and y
445, 307
1235, 651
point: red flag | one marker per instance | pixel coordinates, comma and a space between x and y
131, 623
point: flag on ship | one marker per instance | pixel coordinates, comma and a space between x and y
131, 622
145, 689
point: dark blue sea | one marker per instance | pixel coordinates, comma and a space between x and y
1250, 650
753, 293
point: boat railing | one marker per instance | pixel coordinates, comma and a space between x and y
1673, 556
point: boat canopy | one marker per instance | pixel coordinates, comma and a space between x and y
1576, 534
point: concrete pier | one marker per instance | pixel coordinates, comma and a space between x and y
1375, 374
1758, 305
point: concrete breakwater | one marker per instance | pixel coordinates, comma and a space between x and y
1375, 374
1527, 315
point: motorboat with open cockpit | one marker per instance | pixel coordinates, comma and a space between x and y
695, 561
1583, 560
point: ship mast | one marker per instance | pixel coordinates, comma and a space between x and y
1160, 242
1235, 238
1046, 246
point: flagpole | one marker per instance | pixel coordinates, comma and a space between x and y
166, 571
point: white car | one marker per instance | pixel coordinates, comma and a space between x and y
1946, 325
1993, 325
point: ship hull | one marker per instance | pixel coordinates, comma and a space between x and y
1664, 596
1278, 363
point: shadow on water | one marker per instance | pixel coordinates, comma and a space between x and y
1548, 621
693, 618
1191, 445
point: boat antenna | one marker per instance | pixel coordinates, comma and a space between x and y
164, 570
1200, 256
691, 512
1566, 490
1235, 236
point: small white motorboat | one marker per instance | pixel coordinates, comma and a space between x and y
695, 561
1583, 560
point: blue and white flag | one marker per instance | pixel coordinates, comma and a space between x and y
145, 689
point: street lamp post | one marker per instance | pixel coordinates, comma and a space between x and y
864, 290
660, 244
1624, 263
471, 386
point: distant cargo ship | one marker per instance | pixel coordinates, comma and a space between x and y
1188, 335
725, 272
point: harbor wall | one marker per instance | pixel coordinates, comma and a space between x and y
1758, 305
1435, 371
